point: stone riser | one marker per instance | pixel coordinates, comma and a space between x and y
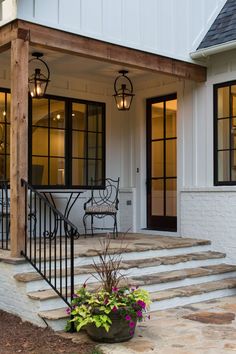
82, 278
60, 324
80, 261
56, 303
182, 301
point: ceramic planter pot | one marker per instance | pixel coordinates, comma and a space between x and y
119, 331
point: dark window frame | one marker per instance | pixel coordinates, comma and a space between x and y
215, 130
68, 143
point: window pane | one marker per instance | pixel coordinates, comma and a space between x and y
233, 95
40, 170
57, 171
57, 114
158, 197
8, 107
157, 159
57, 142
171, 158
7, 142
171, 109
223, 102
40, 141
223, 134
158, 120
40, 112
79, 172
2, 168
3, 112
223, 166
233, 167
94, 170
79, 116
94, 118
8, 168
171, 197
78, 144
94, 142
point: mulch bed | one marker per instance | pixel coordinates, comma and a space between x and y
23, 337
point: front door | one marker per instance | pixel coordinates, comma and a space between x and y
161, 163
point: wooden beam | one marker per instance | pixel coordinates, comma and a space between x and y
19, 141
91, 48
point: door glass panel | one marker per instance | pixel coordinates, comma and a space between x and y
158, 197
171, 158
3, 112
224, 165
158, 120
223, 102
157, 159
171, 197
171, 109
223, 134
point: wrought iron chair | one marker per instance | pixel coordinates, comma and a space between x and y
103, 202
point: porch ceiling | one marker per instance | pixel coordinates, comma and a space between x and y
74, 55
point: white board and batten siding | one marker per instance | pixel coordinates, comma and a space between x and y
173, 28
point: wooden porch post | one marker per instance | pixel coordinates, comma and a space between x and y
19, 141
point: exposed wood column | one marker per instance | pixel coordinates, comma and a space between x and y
19, 141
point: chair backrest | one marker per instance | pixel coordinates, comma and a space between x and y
107, 195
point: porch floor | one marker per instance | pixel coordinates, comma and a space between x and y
203, 328
132, 242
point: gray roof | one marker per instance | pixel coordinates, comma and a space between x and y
223, 29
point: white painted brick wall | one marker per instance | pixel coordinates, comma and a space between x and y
211, 215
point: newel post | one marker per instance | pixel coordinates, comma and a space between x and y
19, 141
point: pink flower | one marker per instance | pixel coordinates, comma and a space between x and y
139, 313
131, 332
132, 324
141, 304
68, 311
115, 289
114, 309
127, 317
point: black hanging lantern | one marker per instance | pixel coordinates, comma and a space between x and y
124, 94
38, 81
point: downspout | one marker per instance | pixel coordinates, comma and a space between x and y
205, 52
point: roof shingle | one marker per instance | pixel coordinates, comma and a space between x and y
224, 27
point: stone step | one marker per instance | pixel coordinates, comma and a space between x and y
56, 319
197, 289
157, 279
128, 264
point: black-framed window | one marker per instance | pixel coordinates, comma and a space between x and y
225, 133
66, 142
5, 101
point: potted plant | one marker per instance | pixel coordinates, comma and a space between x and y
110, 313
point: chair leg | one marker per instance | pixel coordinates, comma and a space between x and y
85, 226
92, 225
115, 229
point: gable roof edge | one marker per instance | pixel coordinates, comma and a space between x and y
208, 51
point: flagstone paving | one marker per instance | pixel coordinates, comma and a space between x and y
203, 328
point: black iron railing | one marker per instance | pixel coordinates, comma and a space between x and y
4, 215
49, 243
